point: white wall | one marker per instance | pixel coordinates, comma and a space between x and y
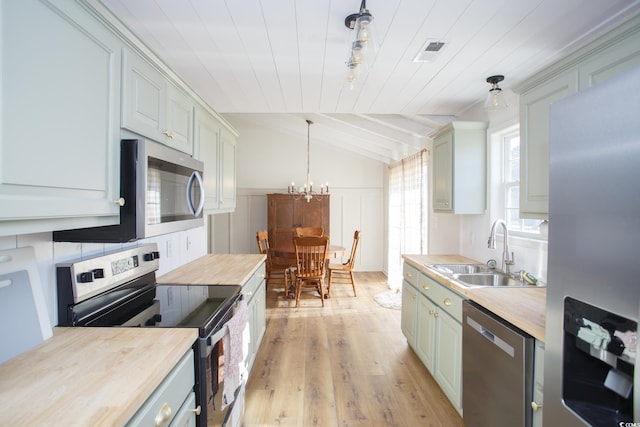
269, 160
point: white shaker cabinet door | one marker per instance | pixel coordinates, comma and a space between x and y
154, 107
207, 149
60, 109
228, 171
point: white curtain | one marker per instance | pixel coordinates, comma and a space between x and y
408, 209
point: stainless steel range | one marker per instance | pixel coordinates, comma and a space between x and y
120, 289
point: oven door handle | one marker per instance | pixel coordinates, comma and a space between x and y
207, 343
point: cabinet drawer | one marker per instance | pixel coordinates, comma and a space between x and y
171, 393
444, 297
410, 274
251, 286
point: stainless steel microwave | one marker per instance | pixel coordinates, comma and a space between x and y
161, 192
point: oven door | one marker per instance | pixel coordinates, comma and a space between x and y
211, 381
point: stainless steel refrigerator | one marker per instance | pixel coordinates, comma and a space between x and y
593, 283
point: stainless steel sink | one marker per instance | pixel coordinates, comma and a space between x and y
488, 279
459, 268
479, 276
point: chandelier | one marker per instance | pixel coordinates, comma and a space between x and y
361, 49
307, 191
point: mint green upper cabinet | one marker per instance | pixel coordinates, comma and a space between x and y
611, 54
61, 71
228, 171
459, 168
534, 143
215, 145
154, 107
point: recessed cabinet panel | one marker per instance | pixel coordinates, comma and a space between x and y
228, 173
459, 168
443, 173
215, 145
207, 147
60, 107
534, 143
154, 107
605, 57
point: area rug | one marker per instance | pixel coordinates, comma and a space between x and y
389, 299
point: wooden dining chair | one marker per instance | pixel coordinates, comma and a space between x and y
309, 231
343, 273
275, 267
311, 255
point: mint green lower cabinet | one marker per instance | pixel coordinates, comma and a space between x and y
427, 332
431, 320
448, 355
538, 384
409, 319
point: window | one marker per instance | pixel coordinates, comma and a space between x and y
408, 201
511, 187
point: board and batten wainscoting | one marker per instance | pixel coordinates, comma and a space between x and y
351, 209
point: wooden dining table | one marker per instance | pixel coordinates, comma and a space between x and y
333, 251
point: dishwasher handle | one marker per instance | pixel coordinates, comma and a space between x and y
496, 340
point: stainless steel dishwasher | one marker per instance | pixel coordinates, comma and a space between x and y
497, 370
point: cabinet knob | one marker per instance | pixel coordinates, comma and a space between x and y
535, 406
197, 410
447, 301
119, 201
163, 415
408, 274
425, 287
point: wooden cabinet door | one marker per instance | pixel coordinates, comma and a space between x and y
286, 213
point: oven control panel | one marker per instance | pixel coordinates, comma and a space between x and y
92, 276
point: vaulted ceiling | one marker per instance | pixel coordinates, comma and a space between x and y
278, 62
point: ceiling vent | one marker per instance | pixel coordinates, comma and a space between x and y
429, 51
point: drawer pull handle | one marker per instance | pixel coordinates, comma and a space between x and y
197, 410
164, 415
535, 406
447, 301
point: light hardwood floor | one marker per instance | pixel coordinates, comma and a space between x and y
347, 364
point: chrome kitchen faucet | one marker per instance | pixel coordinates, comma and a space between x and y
507, 259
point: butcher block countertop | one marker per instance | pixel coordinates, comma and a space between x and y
524, 308
223, 269
89, 376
